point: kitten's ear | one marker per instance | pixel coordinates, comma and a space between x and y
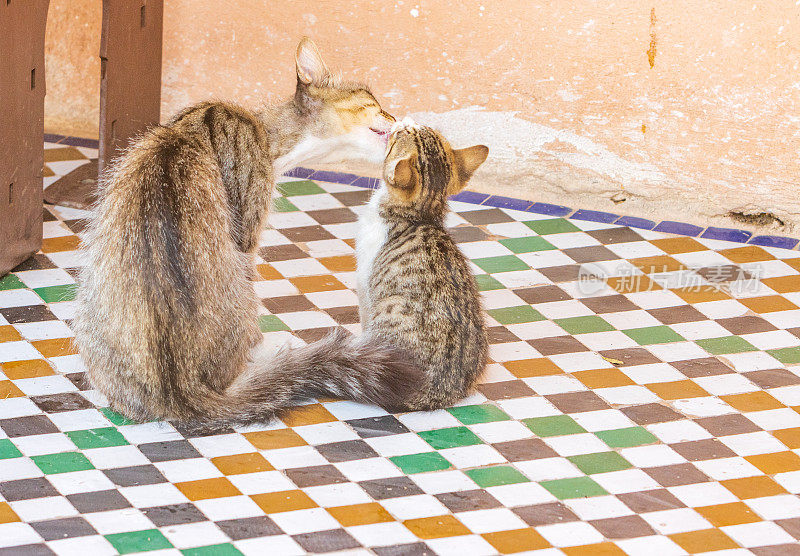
400, 174
468, 160
311, 67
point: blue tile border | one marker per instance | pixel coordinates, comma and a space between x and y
498, 201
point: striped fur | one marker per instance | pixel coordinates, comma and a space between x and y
166, 319
415, 288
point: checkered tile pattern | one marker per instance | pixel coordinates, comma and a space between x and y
643, 397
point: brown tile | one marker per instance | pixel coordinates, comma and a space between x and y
61, 243
283, 501
723, 425
777, 462
65, 401
733, 513
174, 514
28, 425
9, 390
390, 487
706, 366
315, 476
321, 283
526, 368
360, 514
242, 463
603, 378
339, 263
203, 489
632, 284
789, 549
466, 234
27, 489
590, 254
344, 315
468, 500
500, 335
98, 501
747, 254
630, 356
625, 527
657, 264
701, 450
609, 304
354, 198
676, 475
773, 378
791, 526
747, 324
648, 414
525, 449
790, 437
615, 235
542, 294
564, 273
311, 414
9, 334
707, 540
752, 401
646, 501
677, 390
339, 215
249, 527
545, 514
753, 487
723, 273
307, 233
768, 304
783, 284
56, 347
674, 245
287, 304
517, 540
286, 252
485, 216
700, 294
59, 154
346, 450
274, 439
436, 527
326, 541
39, 261
577, 402
674, 315
406, 549
506, 390
27, 313
557, 345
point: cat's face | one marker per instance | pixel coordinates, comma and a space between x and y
421, 168
345, 120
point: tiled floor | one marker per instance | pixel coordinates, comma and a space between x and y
655, 412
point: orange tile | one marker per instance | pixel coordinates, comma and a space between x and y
518, 540
794, 263
673, 245
351, 242
322, 283
657, 264
271, 440
311, 414
734, 513
783, 284
632, 284
436, 527
707, 540
603, 378
752, 401
360, 514
753, 487
56, 347
9, 334
283, 501
9, 390
268, 272
748, 254
47, 171
218, 487
677, 390
62, 243
768, 304
599, 549
30, 368
7, 515
59, 154
242, 463
526, 368
777, 462
341, 263
700, 294
790, 437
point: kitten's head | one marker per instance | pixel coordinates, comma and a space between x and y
421, 168
343, 119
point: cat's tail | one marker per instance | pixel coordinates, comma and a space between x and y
362, 369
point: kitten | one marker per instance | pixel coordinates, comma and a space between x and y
167, 314
415, 287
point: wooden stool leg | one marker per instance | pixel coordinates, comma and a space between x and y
22, 26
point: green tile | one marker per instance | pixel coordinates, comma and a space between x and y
116, 418
420, 463
271, 323
54, 294
138, 541
516, 315
725, 344
600, 462
472, 414
213, 550
97, 438
10, 282
496, 475
304, 187
578, 487
452, 437
486, 283
503, 263
528, 244
787, 356
584, 325
626, 438
552, 226
64, 462
282, 204
8, 450
653, 335
555, 425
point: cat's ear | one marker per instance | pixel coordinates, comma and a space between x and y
468, 160
311, 67
399, 173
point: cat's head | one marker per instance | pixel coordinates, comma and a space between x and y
421, 168
343, 120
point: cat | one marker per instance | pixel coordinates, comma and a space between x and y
415, 286
167, 313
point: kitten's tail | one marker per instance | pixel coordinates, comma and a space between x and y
362, 369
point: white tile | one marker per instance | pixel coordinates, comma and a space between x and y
681, 520
472, 456
464, 544
723, 469
627, 480
755, 534
367, 469
414, 507
189, 535
520, 494
229, 507
398, 444
575, 533
382, 534
40, 509
547, 469
703, 494
491, 520
598, 507
437, 482
783, 506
